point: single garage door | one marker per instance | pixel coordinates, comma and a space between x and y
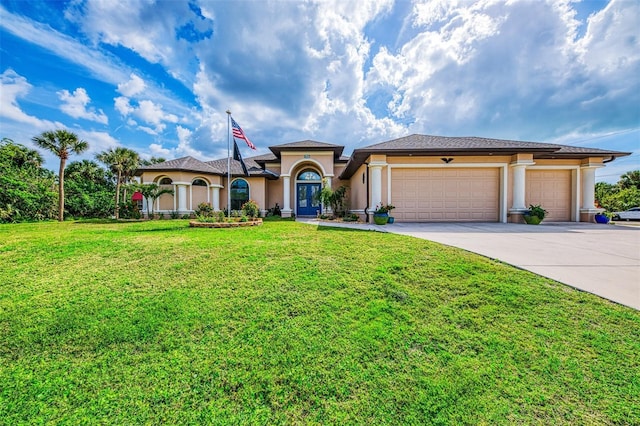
445, 195
552, 190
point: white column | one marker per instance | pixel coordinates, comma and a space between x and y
286, 208
588, 186
182, 197
215, 195
376, 185
519, 173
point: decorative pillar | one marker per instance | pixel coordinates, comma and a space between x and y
375, 175
286, 207
588, 209
519, 180
376, 185
215, 197
182, 197
518, 206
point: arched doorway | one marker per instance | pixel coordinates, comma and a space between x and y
308, 186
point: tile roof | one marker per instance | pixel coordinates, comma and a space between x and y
428, 142
185, 163
444, 145
253, 168
307, 145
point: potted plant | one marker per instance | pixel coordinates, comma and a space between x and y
535, 214
381, 214
601, 218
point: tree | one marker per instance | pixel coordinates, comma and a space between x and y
62, 143
26, 189
90, 190
152, 160
334, 199
151, 192
622, 196
630, 179
123, 162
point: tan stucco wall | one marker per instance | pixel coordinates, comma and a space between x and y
274, 193
322, 160
257, 191
179, 176
358, 189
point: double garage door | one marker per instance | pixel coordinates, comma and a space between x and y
446, 195
467, 195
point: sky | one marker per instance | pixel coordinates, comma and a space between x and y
157, 76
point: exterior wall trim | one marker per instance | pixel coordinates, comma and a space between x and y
306, 160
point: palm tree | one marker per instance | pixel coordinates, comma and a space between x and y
151, 192
630, 179
61, 143
21, 155
122, 162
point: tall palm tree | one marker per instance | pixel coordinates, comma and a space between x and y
62, 143
122, 162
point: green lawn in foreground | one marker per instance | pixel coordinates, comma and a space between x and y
155, 322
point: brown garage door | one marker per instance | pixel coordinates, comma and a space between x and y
552, 190
445, 195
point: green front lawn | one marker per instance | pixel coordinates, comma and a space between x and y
159, 323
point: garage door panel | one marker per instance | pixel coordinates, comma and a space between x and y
446, 194
552, 190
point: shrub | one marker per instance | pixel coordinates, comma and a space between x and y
204, 209
174, 214
129, 210
251, 209
537, 210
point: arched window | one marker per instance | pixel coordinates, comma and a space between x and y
199, 182
309, 174
166, 181
239, 193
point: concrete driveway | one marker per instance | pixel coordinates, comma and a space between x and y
600, 259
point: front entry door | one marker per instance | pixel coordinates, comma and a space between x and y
308, 199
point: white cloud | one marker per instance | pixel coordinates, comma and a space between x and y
101, 64
156, 150
159, 33
132, 87
98, 141
75, 105
153, 113
12, 87
487, 68
123, 106
146, 110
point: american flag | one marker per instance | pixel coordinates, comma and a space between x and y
238, 133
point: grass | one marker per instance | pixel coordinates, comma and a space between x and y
158, 323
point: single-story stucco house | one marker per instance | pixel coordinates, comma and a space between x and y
427, 179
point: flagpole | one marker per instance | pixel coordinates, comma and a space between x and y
229, 164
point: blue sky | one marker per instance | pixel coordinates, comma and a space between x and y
158, 76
